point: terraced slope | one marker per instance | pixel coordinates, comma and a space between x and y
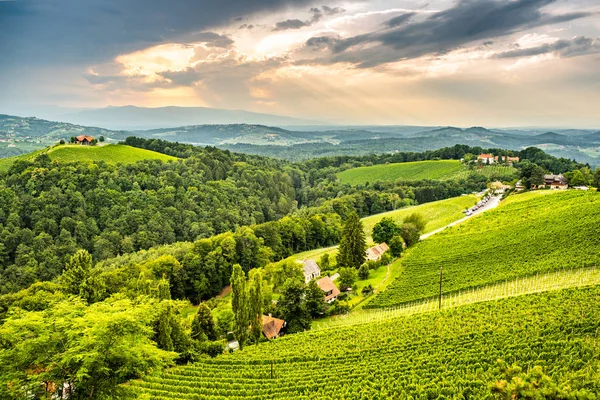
434, 170
531, 234
442, 355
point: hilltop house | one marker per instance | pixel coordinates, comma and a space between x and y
311, 270
272, 327
84, 140
486, 158
329, 288
374, 253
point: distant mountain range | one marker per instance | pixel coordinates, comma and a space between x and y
136, 118
19, 135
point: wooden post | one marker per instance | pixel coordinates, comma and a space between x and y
271, 369
441, 275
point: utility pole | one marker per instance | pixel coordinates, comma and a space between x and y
441, 276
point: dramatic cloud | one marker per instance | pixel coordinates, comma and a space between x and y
399, 20
67, 31
468, 21
317, 15
578, 46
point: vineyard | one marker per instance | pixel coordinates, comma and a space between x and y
522, 286
436, 355
434, 170
523, 237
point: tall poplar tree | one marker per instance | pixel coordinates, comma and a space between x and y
255, 294
353, 245
239, 304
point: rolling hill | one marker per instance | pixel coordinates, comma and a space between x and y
528, 234
434, 170
111, 153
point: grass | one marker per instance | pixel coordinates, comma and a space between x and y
441, 169
437, 214
433, 170
527, 234
110, 153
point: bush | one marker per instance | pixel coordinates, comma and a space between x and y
396, 246
410, 234
363, 271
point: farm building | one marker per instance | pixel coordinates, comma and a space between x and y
558, 182
507, 159
311, 270
83, 139
272, 327
374, 253
328, 287
486, 158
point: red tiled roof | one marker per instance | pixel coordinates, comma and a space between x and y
375, 252
481, 156
271, 327
327, 285
81, 138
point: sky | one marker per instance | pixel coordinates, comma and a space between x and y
493, 63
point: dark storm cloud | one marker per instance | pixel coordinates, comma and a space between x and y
467, 21
76, 31
181, 78
578, 46
399, 20
317, 15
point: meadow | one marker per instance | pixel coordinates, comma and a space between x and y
418, 170
527, 234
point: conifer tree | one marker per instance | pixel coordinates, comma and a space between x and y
353, 244
315, 299
255, 294
239, 304
203, 325
164, 329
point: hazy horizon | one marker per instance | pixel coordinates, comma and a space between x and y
491, 63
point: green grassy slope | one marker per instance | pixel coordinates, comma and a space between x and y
111, 153
114, 153
435, 170
409, 171
526, 235
437, 355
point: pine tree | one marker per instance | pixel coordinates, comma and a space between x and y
239, 304
255, 295
353, 244
203, 325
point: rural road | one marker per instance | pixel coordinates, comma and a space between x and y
492, 203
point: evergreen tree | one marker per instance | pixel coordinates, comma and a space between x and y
353, 244
315, 299
163, 329
76, 271
255, 294
203, 325
363, 271
239, 304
